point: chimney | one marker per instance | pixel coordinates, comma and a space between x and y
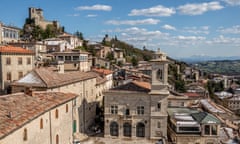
9, 115
60, 67
29, 91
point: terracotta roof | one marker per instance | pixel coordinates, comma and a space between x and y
24, 108
13, 49
191, 94
50, 79
102, 71
142, 84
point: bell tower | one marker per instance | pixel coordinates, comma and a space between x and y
159, 84
159, 96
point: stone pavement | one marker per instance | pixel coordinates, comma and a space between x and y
103, 140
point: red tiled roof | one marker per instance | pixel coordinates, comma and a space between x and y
25, 108
55, 79
142, 84
102, 71
13, 49
191, 94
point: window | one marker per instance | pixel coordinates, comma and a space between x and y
140, 110
214, 130
76, 58
9, 76
140, 130
169, 104
25, 134
207, 130
182, 103
159, 74
114, 109
28, 61
127, 129
127, 112
74, 126
74, 102
20, 75
114, 129
66, 108
57, 139
19, 61
159, 124
56, 113
41, 123
159, 106
8, 61
68, 58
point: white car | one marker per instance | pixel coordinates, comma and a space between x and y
76, 142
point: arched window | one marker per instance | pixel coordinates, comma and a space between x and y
159, 74
114, 129
25, 134
56, 113
41, 123
66, 108
140, 130
57, 139
127, 129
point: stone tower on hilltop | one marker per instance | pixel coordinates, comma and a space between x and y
36, 14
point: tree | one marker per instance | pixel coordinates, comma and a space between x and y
110, 56
134, 61
180, 86
79, 35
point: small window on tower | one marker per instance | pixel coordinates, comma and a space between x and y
159, 74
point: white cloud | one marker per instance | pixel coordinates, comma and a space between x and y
198, 9
232, 30
232, 2
135, 31
149, 21
196, 30
168, 27
225, 40
95, 7
192, 38
91, 15
74, 15
153, 11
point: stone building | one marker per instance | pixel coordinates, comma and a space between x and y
73, 40
84, 84
15, 62
74, 60
37, 118
8, 34
139, 109
39, 48
36, 14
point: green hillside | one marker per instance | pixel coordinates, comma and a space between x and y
225, 67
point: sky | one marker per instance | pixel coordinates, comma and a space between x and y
180, 28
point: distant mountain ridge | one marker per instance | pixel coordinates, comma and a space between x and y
202, 58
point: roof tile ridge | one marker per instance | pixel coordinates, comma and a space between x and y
39, 75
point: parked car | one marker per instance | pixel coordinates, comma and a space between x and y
76, 142
160, 142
